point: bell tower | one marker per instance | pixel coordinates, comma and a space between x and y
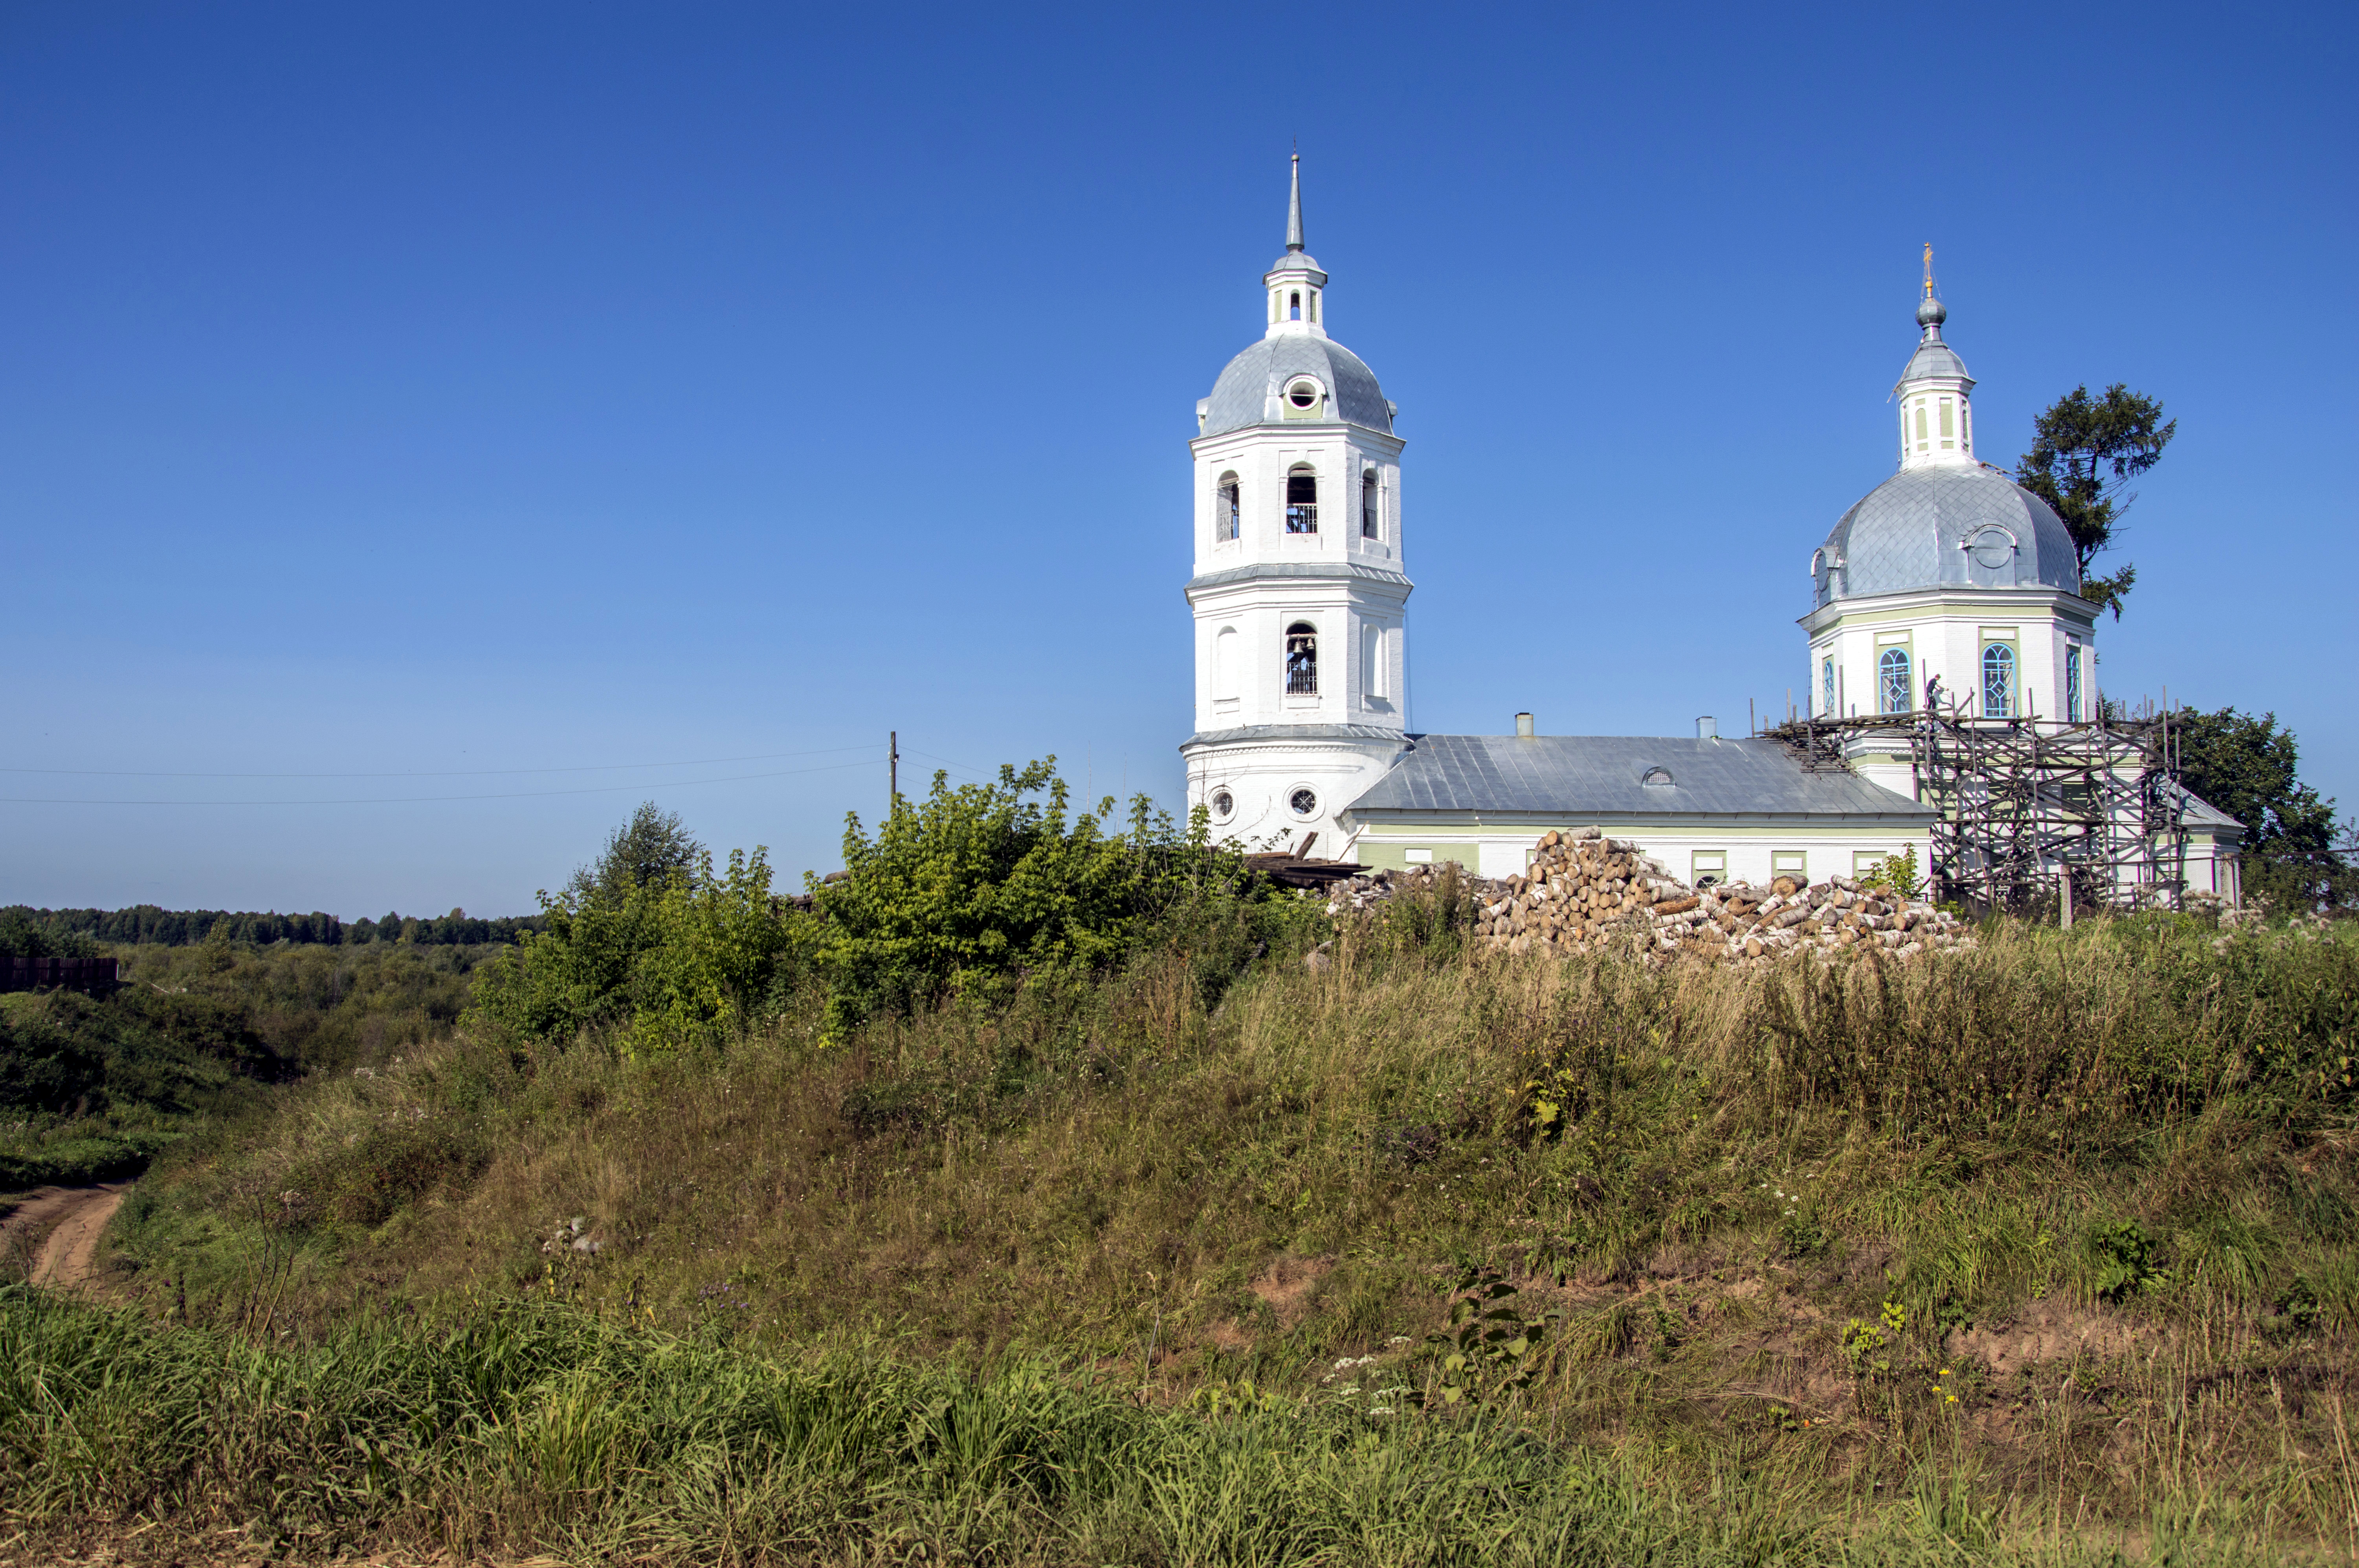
1299, 592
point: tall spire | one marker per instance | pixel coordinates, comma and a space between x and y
1294, 209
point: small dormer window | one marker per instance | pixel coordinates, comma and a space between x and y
1657, 778
1303, 395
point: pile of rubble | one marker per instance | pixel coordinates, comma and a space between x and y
1585, 891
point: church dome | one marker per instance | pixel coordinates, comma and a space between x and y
1956, 524
1247, 392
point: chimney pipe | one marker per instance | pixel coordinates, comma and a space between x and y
1707, 728
1523, 726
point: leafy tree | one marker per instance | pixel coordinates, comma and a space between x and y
2085, 452
646, 851
684, 961
985, 883
2246, 766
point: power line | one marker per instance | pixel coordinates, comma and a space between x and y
454, 773
420, 799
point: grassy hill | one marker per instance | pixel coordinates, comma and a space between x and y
2024, 1253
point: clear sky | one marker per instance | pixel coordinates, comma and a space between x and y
400, 405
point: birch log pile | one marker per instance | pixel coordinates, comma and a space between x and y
1585, 892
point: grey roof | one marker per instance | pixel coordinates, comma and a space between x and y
2199, 812
1297, 261
1246, 393
1919, 529
1577, 775
1934, 357
1293, 570
1294, 733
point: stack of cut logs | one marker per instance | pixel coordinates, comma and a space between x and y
1585, 891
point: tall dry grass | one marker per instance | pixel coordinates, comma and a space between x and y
1183, 1204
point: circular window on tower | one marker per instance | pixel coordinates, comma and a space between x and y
1303, 396
1304, 801
1224, 805
1991, 548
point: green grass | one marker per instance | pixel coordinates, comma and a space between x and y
535, 1428
2099, 1185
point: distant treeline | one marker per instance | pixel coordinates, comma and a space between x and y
183, 927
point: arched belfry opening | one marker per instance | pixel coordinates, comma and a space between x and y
1302, 501
1301, 660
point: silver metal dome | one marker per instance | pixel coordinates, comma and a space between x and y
1941, 526
1931, 313
1247, 392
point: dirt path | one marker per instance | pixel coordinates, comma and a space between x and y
60, 1228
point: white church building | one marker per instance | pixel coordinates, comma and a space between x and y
1948, 573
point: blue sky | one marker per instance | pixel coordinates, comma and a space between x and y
454, 394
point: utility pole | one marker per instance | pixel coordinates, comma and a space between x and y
893, 772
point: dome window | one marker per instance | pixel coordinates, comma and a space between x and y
1305, 803
1302, 501
1991, 548
1998, 681
1893, 692
1301, 660
1303, 398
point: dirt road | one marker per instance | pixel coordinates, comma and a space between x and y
60, 1227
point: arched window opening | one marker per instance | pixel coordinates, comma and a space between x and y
1301, 660
1657, 778
1893, 691
1314, 306
2073, 683
1998, 681
1371, 525
1294, 306
1226, 665
1948, 429
1827, 679
1226, 522
1301, 502
1920, 426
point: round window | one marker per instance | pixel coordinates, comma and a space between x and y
1303, 393
1223, 803
1305, 803
1992, 549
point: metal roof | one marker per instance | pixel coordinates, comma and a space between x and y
1574, 776
1933, 357
1247, 392
1294, 733
1296, 571
1917, 530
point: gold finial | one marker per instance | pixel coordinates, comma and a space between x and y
1929, 269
